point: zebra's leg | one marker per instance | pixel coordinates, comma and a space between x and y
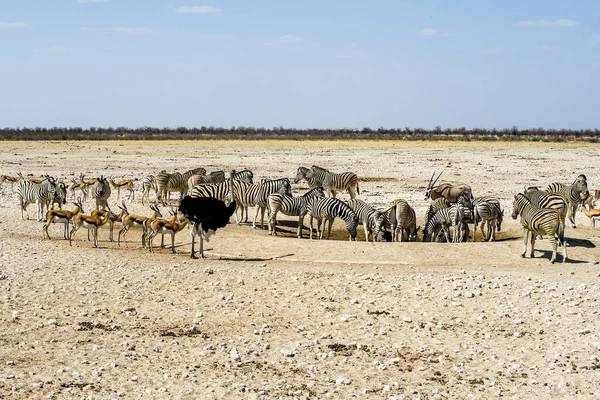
256, 216
446, 231
564, 244
262, 217
300, 225
150, 240
246, 208
329, 230
525, 240
311, 226
532, 255
492, 229
572, 216
271, 225
554, 248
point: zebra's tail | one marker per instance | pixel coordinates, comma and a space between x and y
561, 231
357, 188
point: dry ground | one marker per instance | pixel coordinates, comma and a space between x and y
278, 317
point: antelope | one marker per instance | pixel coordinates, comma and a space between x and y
130, 220
64, 216
89, 222
81, 185
39, 179
111, 221
128, 183
163, 227
593, 214
11, 179
446, 190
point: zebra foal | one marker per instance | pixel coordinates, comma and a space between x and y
367, 216
539, 221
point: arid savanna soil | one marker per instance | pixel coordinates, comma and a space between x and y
279, 317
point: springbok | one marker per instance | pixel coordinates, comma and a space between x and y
64, 216
128, 183
446, 190
593, 214
90, 223
11, 179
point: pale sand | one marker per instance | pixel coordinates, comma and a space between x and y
280, 317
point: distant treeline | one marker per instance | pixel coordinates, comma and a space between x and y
212, 133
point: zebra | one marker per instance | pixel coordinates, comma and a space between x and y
213, 177
333, 183
258, 195
245, 176
403, 221
178, 182
100, 191
573, 195
314, 181
289, 205
435, 206
542, 199
59, 196
540, 221
487, 210
148, 183
161, 179
325, 210
441, 222
219, 191
39, 193
367, 216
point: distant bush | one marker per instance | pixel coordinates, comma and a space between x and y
212, 133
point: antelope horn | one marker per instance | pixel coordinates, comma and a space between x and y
430, 180
436, 179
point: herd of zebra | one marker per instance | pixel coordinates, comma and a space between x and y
452, 207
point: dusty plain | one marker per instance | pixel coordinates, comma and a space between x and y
278, 317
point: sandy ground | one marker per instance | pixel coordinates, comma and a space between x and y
278, 317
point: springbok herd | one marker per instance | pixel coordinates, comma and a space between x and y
452, 207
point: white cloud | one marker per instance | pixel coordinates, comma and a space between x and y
428, 32
199, 10
542, 23
548, 48
8, 25
92, 1
285, 39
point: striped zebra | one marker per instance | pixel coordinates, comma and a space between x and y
213, 177
573, 195
333, 183
403, 221
367, 216
38, 193
250, 195
178, 182
292, 206
219, 191
487, 211
148, 183
542, 199
539, 221
435, 206
59, 196
443, 220
245, 176
325, 210
161, 179
100, 191
313, 181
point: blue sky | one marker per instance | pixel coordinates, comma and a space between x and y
302, 64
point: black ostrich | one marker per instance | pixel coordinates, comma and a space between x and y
206, 214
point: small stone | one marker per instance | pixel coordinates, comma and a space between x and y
407, 319
235, 355
342, 381
134, 378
